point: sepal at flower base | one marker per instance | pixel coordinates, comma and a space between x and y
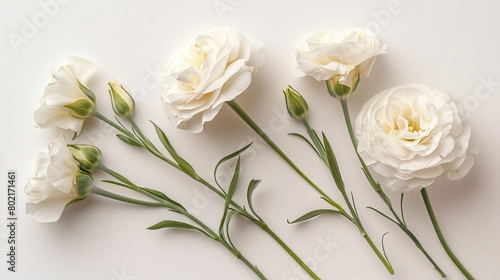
295, 104
339, 90
87, 155
83, 183
81, 108
122, 101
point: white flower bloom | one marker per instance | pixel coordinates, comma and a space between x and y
411, 134
214, 68
338, 54
64, 104
53, 183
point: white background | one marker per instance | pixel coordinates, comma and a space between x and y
451, 45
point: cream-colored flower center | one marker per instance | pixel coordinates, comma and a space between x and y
199, 56
410, 126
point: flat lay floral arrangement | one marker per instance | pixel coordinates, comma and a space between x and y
404, 138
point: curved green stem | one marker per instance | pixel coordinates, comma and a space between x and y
292, 254
345, 110
118, 197
376, 187
238, 110
440, 235
113, 124
168, 204
153, 150
217, 238
245, 117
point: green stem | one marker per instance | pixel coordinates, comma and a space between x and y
168, 204
447, 248
118, 197
345, 110
153, 150
237, 108
217, 238
113, 124
380, 191
292, 254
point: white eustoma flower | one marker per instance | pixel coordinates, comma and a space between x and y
215, 67
411, 134
53, 183
64, 102
338, 55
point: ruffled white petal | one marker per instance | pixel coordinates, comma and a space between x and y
215, 68
339, 53
64, 90
412, 134
52, 185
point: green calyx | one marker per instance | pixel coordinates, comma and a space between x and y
340, 91
83, 183
81, 108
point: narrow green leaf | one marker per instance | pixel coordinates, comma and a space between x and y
226, 158
251, 187
401, 206
354, 204
87, 91
317, 142
333, 165
117, 183
228, 220
384, 215
313, 214
176, 224
230, 193
307, 141
162, 196
128, 140
370, 179
183, 164
332, 203
383, 248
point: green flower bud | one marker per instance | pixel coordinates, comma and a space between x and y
83, 183
341, 91
295, 103
122, 101
88, 156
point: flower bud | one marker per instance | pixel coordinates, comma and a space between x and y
295, 104
88, 156
339, 88
123, 103
83, 183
